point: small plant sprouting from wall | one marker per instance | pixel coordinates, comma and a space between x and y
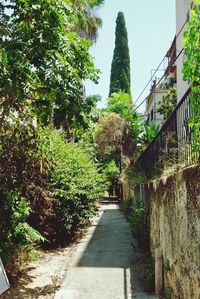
137, 216
137, 219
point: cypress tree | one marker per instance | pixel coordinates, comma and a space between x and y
120, 69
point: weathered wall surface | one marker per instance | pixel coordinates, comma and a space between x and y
174, 212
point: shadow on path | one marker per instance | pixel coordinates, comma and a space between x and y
105, 264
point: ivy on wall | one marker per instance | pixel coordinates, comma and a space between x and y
191, 70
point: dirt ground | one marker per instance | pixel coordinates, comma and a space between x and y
41, 278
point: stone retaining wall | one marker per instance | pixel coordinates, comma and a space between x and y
173, 204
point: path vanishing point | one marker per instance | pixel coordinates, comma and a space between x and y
105, 262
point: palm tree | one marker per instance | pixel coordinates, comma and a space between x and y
87, 22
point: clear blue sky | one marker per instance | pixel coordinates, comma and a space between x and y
151, 29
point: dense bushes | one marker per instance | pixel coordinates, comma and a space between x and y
48, 188
19, 167
74, 180
16, 234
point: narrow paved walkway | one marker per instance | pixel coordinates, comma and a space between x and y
103, 266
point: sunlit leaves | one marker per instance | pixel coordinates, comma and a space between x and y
168, 103
42, 60
191, 70
75, 180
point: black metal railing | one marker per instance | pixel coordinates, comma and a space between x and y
172, 145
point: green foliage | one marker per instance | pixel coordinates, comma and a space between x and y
120, 69
117, 134
16, 233
137, 218
137, 215
191, 70
74, 179
112, 171
94, 3
94, 99
19, 229
87, 21
109, 134
19, 168
47, 186
136, 176
118, 130
150, 132
168, 103
43, 62
18, 164
121, 103
82, 127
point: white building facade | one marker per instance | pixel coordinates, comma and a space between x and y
182, 15
158, 91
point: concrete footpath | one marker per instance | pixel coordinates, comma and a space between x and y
104, 264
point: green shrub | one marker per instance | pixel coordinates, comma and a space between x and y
18, 168
112, 172
16, 233
137, 219
75, 180
137, 215
48, 189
